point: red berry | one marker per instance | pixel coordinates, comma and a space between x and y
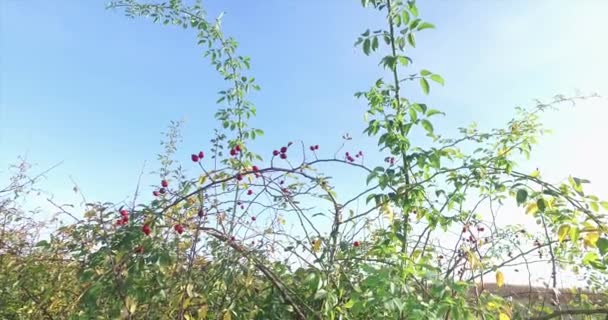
255, 169
201, 213
119, 222
464, 229
312, 148
249, 192
164, 183
162, 190
283, 149
253, 218
201, 154
139, 249
239, 177
194, 158
232, 152
146, 229
237, 148
275, 153
124, 213
125, 220
156, 193
283, 156
316, 147
356, 244
178, 228
232, 238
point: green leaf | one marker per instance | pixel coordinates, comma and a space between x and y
432, 112
425, 25
411, 39
427, 125
604, 204
602, 245
437, 78
425, 73
366, 46
424, 85
541, 204
594, 206
574, 233
522, 196
413, 114
405, 17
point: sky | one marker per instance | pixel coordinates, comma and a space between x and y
93, 90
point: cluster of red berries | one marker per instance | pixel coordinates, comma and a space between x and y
282, 153
479, 228
125, 218
197, 157
146, 229
235, 151
350, 158
256, 171
178, 228
164, 184
313, 148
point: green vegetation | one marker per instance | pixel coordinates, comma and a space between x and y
220, 245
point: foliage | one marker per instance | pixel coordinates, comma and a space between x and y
252, 239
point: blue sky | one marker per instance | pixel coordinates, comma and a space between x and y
94, 89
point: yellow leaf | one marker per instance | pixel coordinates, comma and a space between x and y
503, 316
202, 312
281, 220
387, 211
535, 174
500, 279
416, 254
419, 214
591, 239
90, 214
131, 304
532, 208
563, 232
227, 315
316, 245
473, 260
202, 179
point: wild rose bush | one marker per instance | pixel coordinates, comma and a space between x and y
267, 235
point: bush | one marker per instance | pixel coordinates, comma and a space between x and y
273, 239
